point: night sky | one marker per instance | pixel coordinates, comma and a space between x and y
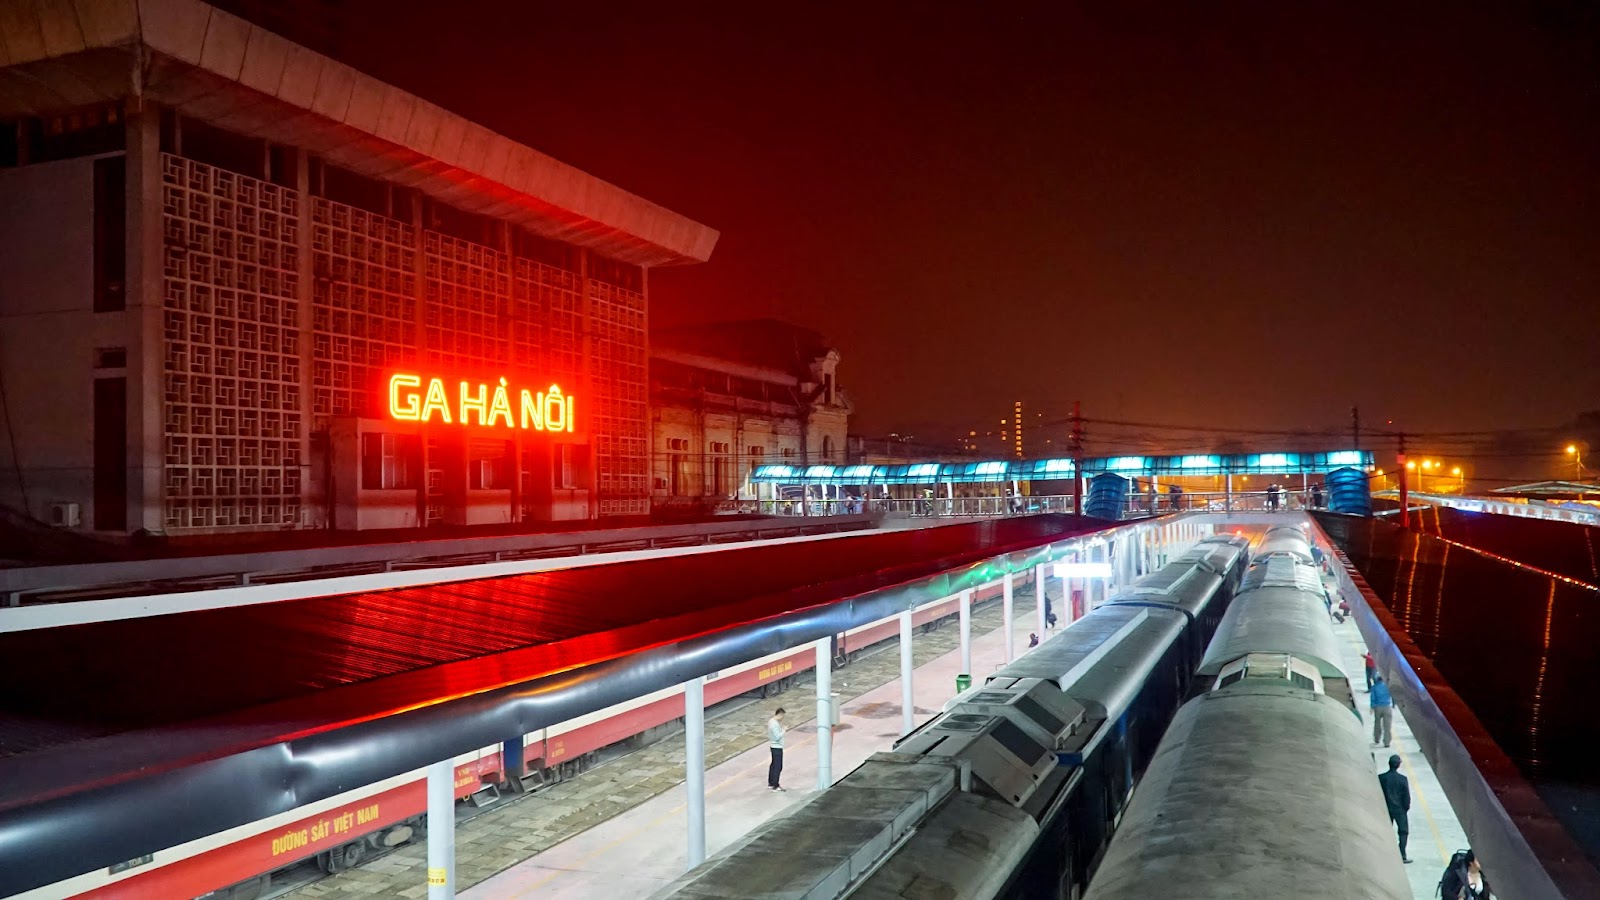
1245, 214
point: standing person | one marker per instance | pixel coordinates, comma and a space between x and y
1316, 496
775, 742
1371, 665
1397, 796
1382, 710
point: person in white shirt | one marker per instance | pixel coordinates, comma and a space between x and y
775, 742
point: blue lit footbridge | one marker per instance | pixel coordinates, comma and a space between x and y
1115, 487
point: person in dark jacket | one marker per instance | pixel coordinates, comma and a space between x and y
1397, 796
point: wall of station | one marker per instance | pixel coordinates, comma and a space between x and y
710, 456
707, 458
49, 332
279, 316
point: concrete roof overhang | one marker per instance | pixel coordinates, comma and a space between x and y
57, 55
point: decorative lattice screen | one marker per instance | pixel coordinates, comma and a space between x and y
364, 307
233, 404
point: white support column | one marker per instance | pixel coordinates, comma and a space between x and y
908, 706
966, 632
1007, 615
442, 830
1105, 557
1099, 588
1064, 614
694, 766
824, 714
1039, 580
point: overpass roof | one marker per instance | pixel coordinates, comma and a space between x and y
965, 472
59, 55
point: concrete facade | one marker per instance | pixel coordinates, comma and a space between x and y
228, 245
729, 397
45, 405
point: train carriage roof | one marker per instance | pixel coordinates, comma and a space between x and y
1260, 791
1276, 620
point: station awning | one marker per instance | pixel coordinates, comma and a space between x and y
1160, 467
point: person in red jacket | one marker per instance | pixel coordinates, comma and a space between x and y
1371, 666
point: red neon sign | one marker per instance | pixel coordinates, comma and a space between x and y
415, 399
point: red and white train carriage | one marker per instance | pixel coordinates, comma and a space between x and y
341, 831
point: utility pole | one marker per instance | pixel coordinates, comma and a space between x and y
1400, 465
1077, 459
1355, 428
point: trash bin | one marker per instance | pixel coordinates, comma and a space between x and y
963, 681
833, 708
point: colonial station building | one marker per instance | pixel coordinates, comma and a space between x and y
728, 397
244, 286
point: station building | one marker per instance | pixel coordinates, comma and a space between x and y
244, 286
728, 397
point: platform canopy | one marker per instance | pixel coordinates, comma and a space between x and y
58, 56
1159, 467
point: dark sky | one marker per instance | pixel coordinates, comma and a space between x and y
1249, 214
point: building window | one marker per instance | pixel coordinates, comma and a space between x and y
204, 142
110, 233
82, 132
827, 448
788, 453
388, 462
720, 465
756, 454
566, 473
678, 444
489, 466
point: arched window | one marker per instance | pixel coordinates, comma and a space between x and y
827, 448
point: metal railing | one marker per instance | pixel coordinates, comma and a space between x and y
1531, 509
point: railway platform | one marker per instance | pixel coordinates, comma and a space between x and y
1436, 832
619, 827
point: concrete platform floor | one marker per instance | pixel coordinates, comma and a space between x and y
1435, 831
642, 849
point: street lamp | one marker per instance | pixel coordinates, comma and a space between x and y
1461, 486
1577, 462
